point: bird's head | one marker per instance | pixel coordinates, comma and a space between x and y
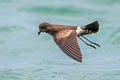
44, 27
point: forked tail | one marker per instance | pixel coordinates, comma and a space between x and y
91, 28
88, 29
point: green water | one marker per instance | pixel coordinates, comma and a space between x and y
25, 56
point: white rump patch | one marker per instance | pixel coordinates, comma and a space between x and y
79, 30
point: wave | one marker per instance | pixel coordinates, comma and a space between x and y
68, 10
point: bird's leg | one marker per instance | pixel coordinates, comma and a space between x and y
91, 41
86, 43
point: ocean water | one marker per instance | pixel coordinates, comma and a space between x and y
26, 56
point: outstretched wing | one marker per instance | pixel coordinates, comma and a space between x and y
67, 41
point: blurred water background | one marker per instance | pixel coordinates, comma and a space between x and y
25, 56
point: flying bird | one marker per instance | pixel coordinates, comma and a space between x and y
65, 36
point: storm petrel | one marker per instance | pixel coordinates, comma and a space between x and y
65, 36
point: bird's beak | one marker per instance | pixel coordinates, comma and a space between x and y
39, 33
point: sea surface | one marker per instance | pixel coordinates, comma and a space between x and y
26, 56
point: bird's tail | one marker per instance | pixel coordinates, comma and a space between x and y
91, 28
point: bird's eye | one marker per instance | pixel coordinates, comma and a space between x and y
43, 27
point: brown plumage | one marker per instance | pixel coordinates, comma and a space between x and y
65, 36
